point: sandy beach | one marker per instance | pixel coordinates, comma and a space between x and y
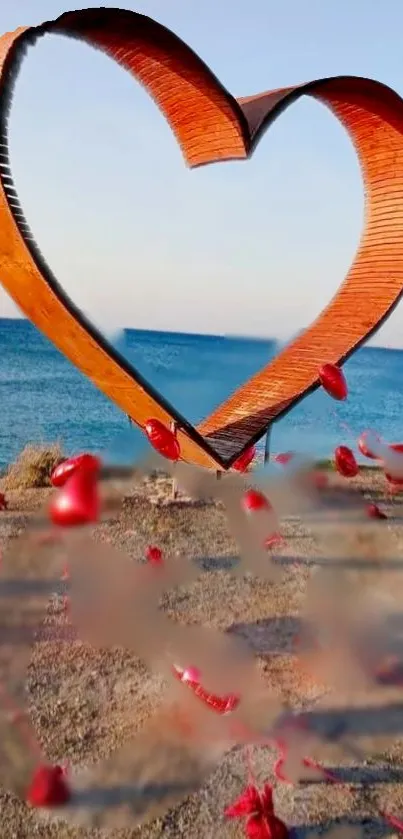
64, 681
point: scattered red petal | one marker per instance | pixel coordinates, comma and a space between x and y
257, 828
365, 447
77, 503
220, 704
154, 555
374, 512
266, 827
397, 447
274, 539
333, 381
262, 823
244, 461
67, 468
345, 462
246, 804
278, 770
267, 798
284, 457
162, 439
189, 675
397, 483
48, 788
391, 477
255, 500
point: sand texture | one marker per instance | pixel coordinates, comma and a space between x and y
86, 702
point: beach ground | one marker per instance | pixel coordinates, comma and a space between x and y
63, 681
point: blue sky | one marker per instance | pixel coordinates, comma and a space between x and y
136, 239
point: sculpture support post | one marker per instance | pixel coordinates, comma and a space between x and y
174, 493
267, 446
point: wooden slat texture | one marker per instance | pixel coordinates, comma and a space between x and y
373, 117
211, 126
202, 118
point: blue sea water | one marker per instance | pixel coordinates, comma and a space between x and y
44, 398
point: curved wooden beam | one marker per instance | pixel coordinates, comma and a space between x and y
372, 115
211, 126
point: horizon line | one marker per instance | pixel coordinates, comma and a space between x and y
197, 334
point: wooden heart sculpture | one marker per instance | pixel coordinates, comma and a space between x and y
211, 126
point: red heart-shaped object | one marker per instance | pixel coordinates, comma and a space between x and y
333, 381
345, 462
77, 503
67, 468
212, 126
162, 439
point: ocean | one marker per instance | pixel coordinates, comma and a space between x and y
44, 398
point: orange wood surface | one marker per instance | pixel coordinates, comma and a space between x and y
211, 126
372, 114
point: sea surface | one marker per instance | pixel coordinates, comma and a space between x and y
44, 398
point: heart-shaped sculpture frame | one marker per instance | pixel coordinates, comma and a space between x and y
211, 126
